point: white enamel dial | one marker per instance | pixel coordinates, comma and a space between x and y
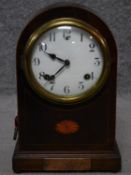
67, 61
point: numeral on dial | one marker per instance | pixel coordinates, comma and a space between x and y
92, 75
67, 89
42, 47
36, 61
92, 47
97, 62
81, 85
41, 75
66, 34
52, 36
81, 37
52, 83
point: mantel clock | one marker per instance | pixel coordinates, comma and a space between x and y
66, 88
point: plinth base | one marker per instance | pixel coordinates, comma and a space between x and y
31, 161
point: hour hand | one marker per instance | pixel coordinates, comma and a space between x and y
43, 47
54, 57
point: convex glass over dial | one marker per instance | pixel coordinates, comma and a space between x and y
66, 62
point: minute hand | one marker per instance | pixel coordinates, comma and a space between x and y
66, 63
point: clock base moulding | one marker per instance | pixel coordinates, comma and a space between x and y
28, 161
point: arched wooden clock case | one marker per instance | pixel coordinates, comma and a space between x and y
45, 142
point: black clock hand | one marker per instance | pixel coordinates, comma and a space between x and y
66, 64
54, 57
52, 77
59, 70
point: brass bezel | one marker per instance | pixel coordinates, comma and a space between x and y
57, 98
